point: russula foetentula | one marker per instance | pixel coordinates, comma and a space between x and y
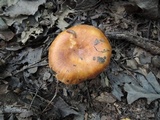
79, 53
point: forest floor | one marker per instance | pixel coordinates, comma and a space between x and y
128, 89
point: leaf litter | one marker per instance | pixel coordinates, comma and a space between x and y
25, 36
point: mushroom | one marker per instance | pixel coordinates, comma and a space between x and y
79, 53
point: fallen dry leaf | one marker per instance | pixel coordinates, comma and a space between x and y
23, 7
106, 98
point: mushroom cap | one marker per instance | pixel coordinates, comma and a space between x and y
79, 53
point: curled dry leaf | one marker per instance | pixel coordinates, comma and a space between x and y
145, 8
23, 7
64, 108
62, 24
3, 89
5, 33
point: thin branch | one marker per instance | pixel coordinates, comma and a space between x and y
37, 64
50, 103
34, 98
139, 41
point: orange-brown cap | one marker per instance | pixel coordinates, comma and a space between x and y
79, 53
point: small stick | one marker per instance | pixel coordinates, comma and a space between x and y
55, 94
139, 41
34, 98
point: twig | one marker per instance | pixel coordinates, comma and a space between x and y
55, 94
34, 98
139, 41
37, 64
43, 99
